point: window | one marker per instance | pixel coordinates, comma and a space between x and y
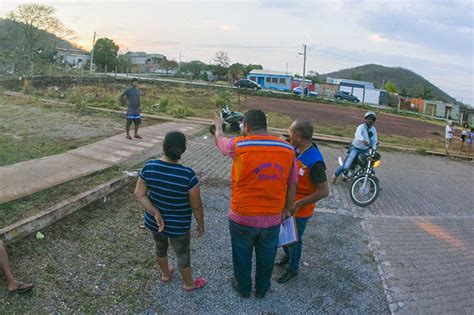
253, 79
274, 80
269, 80
283, 81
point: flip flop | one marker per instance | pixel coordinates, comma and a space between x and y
199, 283
21, 288
128, 137
171, 270
138, 137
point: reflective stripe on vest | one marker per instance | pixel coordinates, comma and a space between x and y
260, 175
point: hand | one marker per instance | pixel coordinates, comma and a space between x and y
286, 213
200, 230
296, 206
160, 222
218, 121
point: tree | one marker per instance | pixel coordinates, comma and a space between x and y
194, 67
236, 71
251, 67
168, 65
222, 59
105, 53
390, 87
427, 93
356, 76
37, 20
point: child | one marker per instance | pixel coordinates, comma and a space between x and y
170, 193
449, 133
464, 135
469, 140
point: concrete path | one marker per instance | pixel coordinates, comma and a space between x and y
25, 178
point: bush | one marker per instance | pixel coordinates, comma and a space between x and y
165, 104
421, 151
222, 98
180, 111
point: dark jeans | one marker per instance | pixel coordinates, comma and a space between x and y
265, 241
294, 250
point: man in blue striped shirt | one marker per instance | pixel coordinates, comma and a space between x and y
170, 194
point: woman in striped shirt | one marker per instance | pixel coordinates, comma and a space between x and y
170, 194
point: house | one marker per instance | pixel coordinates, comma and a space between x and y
365, 91
74, 57
142, 62
441, 109
326, 89
272, 79
467, 115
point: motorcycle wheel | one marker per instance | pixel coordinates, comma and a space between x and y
365, 197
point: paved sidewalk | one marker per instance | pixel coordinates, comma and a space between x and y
25, 178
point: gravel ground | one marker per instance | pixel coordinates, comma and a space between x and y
98, 260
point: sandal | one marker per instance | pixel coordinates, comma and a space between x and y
21, 288
128, 137
199, 283
138, 137
171, 270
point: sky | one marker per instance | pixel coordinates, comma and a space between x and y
432, 38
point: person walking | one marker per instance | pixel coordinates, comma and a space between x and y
131, 98
312, 187
170, 194
264, 183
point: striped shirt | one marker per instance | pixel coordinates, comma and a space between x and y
168, 189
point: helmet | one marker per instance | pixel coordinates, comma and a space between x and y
368, 114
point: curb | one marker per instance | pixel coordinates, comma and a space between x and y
61, 210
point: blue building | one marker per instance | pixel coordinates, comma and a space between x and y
271, 79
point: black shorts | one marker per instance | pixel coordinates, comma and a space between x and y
181, 246
136, 121
463, 138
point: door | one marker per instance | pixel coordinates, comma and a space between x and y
261, 81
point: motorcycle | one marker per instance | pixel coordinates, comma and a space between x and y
232, 120
365, 185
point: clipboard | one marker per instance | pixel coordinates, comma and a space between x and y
288, 232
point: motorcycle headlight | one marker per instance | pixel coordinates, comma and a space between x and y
377, 163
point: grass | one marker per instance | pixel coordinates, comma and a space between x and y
30, 128
16, 210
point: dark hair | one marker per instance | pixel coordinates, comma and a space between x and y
465, 125
256, 119
304, 127
134, 80
174, 145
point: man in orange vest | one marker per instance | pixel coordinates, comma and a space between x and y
312, 187
264, 183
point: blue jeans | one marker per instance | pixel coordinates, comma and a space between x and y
353, 153
293, 251
265, 241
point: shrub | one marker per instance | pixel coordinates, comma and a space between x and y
421, 151
165, 104
222, 98
180, 111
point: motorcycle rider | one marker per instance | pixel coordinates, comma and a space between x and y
365, 138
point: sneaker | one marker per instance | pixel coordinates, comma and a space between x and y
283, 261
287, 276
235, 286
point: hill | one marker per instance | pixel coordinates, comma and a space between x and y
407, 82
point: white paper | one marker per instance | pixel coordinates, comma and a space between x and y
288, 233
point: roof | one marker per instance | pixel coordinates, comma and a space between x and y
269, 72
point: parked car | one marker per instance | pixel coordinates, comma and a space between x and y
297, 91
343, 95
248, 84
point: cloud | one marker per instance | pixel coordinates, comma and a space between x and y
227, 28
441, 28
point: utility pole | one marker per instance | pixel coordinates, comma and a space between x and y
303, 86
286, 68
179, 63
92, 54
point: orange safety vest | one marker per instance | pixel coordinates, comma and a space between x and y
306, 187
260, 175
